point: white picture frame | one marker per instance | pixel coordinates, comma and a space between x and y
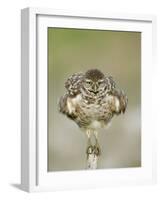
34, 175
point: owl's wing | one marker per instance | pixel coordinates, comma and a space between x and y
120, 99
73, 84
110, 83
66, 107
63, 104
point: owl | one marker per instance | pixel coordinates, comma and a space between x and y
91, 100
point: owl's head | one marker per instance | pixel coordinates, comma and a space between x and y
94, 82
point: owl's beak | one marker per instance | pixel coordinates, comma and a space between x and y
95, 88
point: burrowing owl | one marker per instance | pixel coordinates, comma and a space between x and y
91, 100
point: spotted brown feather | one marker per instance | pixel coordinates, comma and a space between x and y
73, 84
90, 108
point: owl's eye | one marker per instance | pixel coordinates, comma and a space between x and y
101, 83
88, 83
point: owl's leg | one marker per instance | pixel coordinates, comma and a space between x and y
89, 144
96, 147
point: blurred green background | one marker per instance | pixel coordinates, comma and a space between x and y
115, 53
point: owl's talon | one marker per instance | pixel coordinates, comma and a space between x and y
89, 150
96, 150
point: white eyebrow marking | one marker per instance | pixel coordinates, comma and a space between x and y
88, 80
